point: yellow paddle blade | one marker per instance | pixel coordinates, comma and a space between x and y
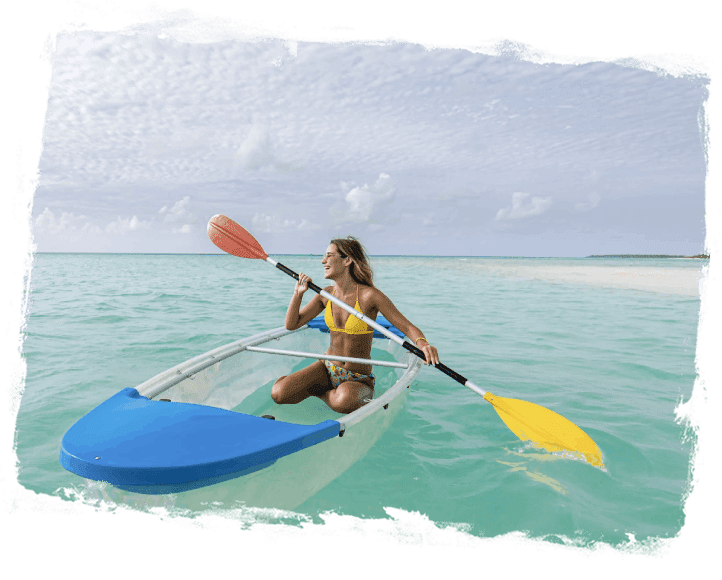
545, 428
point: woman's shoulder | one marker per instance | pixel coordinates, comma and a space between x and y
370, 293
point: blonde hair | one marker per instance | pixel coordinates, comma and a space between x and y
360, 269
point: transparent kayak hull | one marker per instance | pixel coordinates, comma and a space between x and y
199, 424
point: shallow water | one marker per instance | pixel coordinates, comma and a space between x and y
608, 343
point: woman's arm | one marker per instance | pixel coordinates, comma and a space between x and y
295, 318
392, 314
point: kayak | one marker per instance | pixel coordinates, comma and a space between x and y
528, 421
211, 419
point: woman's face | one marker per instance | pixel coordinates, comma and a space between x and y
333, 264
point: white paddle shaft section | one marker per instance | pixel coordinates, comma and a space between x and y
385, 331
351, 310
380, 363
474, 387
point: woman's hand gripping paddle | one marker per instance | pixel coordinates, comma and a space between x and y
528, 421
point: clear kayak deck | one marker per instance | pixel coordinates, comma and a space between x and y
199, 423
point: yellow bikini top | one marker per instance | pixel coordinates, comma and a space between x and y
353, 325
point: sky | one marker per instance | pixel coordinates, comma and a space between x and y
414, 151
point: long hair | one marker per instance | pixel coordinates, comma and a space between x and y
360, 269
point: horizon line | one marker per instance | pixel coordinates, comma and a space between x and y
701, 255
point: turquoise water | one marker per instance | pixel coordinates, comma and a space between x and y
608, 343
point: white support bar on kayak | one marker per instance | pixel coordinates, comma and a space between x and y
380, 363
167, 379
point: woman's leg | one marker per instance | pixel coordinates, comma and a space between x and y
348, 396
294, 388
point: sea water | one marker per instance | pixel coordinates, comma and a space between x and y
608, 343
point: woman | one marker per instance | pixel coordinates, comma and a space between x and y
343, 386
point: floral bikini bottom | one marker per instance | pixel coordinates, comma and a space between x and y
340, 375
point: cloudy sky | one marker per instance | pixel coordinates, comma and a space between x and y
416, 151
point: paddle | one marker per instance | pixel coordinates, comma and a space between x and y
528, 421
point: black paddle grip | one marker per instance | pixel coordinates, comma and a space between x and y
293, 274
441, 366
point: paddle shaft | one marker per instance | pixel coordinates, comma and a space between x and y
528, 421
373, 324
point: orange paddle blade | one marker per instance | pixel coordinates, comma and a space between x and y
234, 239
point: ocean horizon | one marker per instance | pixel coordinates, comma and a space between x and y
651, 256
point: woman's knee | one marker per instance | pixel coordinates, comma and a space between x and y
277, 392
349, 399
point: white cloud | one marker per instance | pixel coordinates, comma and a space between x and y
256, 151
275, 224
124, 225
362, 201
184, 229
179, 213
180, 216
91, 229
593, 202
67, 224
330, 109
46, 222
306, 225
519, 209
